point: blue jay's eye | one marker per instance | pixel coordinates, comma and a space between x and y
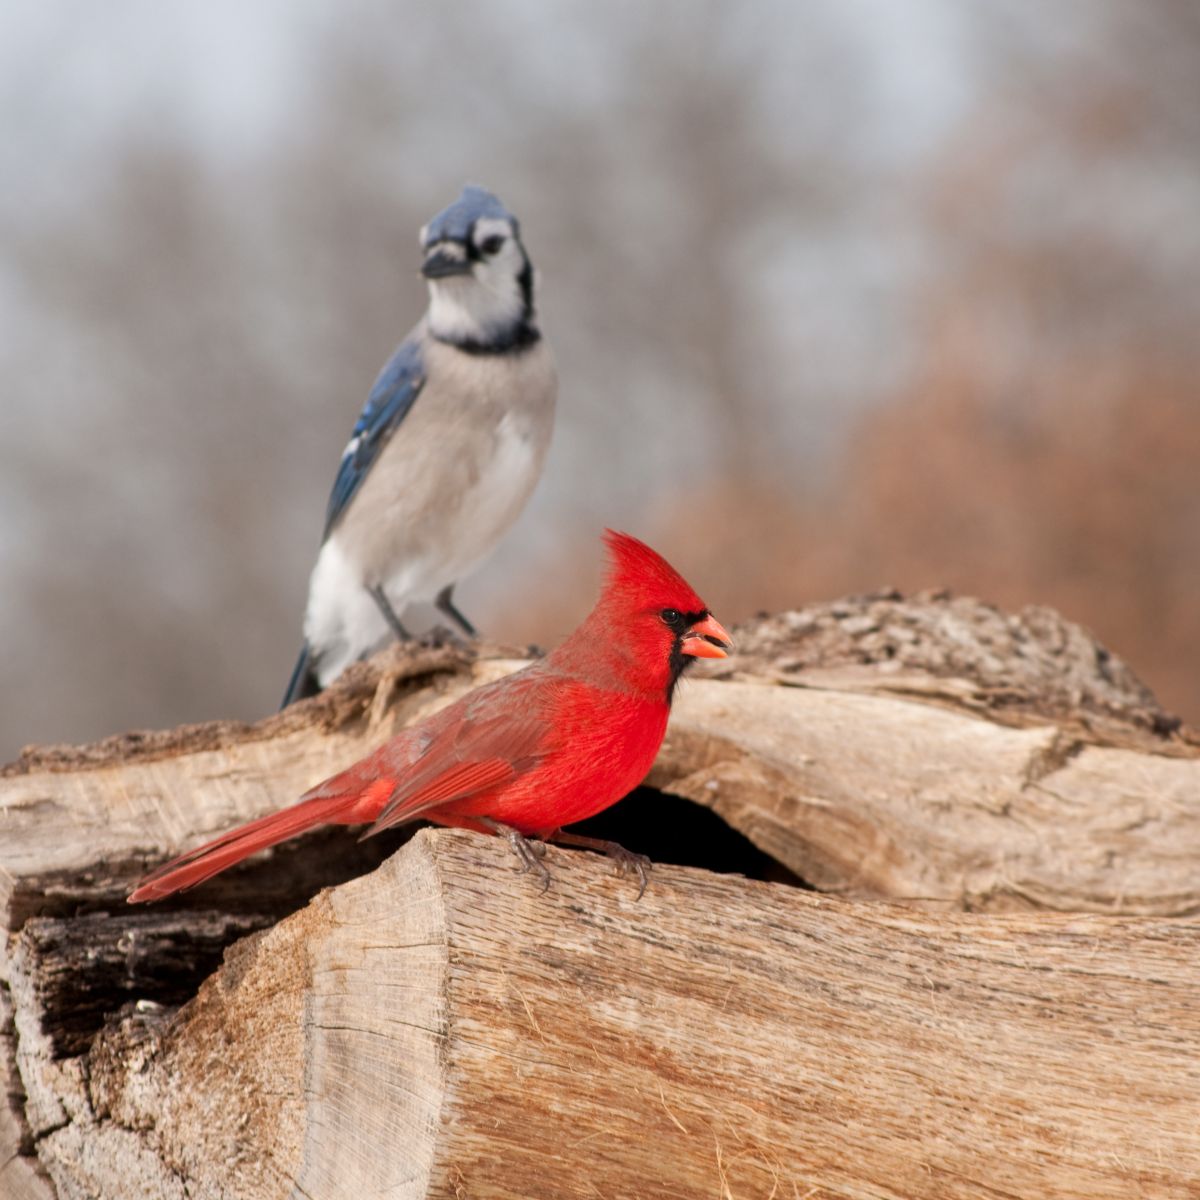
491, 245
671, 616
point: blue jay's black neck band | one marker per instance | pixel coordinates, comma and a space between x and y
525, 280
522, 334
512, 341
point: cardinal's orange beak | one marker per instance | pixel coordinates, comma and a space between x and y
706, 639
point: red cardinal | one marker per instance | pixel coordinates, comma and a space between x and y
545, 747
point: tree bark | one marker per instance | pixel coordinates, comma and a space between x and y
434, 1026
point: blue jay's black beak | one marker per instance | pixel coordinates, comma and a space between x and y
441, 263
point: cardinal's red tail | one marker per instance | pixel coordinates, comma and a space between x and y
194, 867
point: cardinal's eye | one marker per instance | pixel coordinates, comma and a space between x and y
491, 245
671, 616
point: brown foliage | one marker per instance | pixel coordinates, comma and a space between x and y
1081, 495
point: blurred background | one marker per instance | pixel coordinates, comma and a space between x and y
843, 295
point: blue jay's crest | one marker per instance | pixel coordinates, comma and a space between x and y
392, 396
454, 224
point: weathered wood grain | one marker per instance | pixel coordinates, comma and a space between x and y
442, 1028
930, 751
868, 794
857, 789
76, 825
21, 1175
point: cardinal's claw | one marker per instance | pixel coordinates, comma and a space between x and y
532, 861
625, 860
628, 861
530, 853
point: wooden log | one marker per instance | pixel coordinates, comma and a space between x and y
77, 825
867, 794
22, 1176
440, 1028
80, 823
934, 751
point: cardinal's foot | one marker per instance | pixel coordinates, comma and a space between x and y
530, 853
626, 860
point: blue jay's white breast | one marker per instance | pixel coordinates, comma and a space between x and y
447, 486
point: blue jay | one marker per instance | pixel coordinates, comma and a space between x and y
446, 452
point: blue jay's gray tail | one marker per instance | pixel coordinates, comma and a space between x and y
303, 682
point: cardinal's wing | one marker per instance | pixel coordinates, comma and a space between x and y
500, 733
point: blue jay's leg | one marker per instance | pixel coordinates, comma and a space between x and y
389, 614
446, 605
304, 679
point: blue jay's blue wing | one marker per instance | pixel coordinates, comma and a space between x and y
397, 387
